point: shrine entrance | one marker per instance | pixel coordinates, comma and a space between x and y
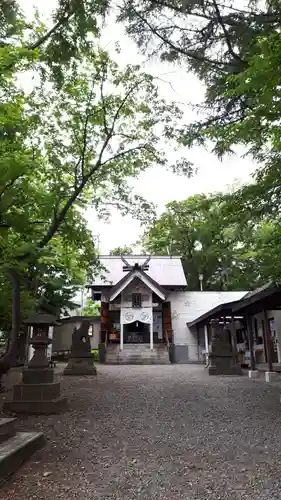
136, 332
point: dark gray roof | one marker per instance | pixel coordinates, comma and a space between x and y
41, 319
118, 285
252, 293
265, 297
164, 270
70, 319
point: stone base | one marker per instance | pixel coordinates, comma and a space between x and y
80, 366
272, 376
37, 375
80, 371
222, 370
223, 365
15, 447
35, 407
36, 392
16, 450
254, 374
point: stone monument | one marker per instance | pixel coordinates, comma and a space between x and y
80, 361
38, 392
221, 360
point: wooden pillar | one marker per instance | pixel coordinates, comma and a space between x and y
251, 341
268, 340
233, 339
198, 342
206, 343
104, 312
151, 334
121, 331
167, 320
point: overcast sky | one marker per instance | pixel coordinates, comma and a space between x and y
155, 184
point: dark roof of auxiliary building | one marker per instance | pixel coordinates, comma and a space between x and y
220, 310
267, 297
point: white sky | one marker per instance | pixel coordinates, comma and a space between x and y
157, 184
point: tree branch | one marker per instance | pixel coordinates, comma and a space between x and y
103, 99
228, 43
10, 184
61, 22
123, 153
190, 54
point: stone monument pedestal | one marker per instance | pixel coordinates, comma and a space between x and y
38, 392
80, 366
80, 361
220, 365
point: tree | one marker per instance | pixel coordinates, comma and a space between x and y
69, 145
125, 250
74, 23
215, 39
235, 52
209, 242
91, 309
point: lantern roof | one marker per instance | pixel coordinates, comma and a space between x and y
41, 319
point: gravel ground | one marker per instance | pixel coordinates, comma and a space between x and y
157, 432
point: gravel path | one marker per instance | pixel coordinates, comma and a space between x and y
157, 432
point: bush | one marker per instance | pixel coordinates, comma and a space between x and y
95, 354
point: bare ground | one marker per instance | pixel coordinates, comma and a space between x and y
157, 432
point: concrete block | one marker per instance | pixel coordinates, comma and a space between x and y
272, 376
254, 374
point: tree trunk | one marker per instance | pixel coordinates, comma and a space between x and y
7, 359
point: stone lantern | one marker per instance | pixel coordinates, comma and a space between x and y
38, 392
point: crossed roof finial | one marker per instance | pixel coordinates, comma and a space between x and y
130, 267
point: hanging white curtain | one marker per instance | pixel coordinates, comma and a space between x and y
130, 315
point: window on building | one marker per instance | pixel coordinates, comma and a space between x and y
136, 300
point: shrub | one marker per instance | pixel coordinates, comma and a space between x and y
95, 354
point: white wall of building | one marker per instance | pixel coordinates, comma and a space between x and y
62, 335
126, 297
187, 306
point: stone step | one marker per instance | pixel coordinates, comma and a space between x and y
7, 428
15, 450
138, 362
138, 357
